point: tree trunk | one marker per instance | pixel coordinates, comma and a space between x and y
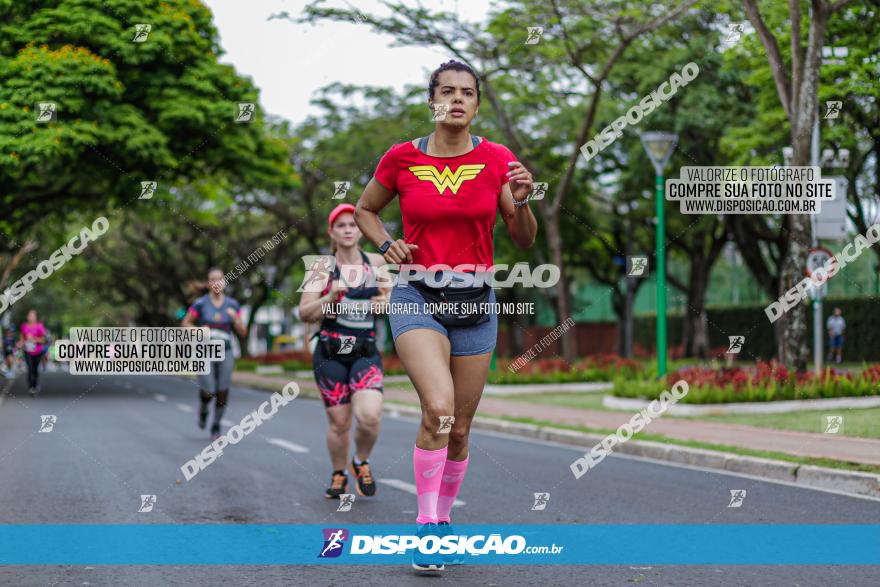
621, 328
563, 301
695, 327
701, 335
799, 99
792, 345
515, 334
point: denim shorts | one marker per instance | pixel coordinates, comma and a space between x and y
463, 340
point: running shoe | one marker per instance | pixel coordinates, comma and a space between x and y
215, 432
365, 483
338, 485
445, 529
32, 391
427, 564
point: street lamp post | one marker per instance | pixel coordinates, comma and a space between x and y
624, 210
659, 147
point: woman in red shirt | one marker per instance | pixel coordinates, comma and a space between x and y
451, 186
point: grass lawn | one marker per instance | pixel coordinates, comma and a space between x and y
864, 423
586, 401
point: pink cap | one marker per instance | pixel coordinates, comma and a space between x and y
340, 209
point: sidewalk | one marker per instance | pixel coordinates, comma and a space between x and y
804, 444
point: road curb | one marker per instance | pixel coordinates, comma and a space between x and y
851, 482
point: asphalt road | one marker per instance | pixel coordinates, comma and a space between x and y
116, 438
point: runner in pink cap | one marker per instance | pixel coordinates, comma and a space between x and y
346, 360
340, 209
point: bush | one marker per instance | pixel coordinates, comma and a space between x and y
587, 369
300, 361
251, 364
764, 382
281, 357
862, 329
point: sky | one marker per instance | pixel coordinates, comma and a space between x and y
289, 62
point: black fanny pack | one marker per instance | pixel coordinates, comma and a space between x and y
361, 346
457, 295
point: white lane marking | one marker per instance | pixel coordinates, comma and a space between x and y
410, 488
227, 423
160, 398
185, 408
292, 447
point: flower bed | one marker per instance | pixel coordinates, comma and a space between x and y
762, 383
302, 361
586, 369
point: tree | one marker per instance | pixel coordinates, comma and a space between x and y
129, 106
857, 127
797, 86
701, 114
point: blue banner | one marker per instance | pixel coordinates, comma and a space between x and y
278, 544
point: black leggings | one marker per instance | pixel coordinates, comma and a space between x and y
33, 367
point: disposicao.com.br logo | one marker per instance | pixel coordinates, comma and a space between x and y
398, 544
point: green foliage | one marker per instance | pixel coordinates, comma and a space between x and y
288, 366
764, 383
557, 370
764, 392
862, 328
160, 110
574, 376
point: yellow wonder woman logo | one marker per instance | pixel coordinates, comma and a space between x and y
446, 178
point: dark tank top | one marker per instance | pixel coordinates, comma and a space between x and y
353, 320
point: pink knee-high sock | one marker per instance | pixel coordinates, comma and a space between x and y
453, 477
428, 469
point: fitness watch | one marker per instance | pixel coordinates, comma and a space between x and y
385, 246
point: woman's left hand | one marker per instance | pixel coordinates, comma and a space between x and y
520, 181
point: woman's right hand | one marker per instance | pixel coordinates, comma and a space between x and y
400, 252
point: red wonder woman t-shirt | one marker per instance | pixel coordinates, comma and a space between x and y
449, 204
